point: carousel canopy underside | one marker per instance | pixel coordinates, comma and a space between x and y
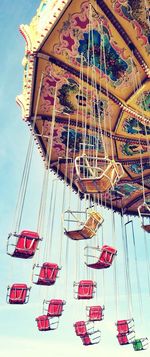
86, 80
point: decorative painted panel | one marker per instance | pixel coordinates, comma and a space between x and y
134, 17
74, 97
87, 41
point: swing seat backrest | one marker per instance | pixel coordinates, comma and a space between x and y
85, 289
93, 222
26, 244
91, 225
18, 294
126, 338
122, 326
111, 175
48, 274
80, 328
86, 340
108, 178
123, 339
107, 255
95, 313
55, 307
43, 323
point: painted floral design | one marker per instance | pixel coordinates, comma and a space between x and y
85, 42
97, 51
65, 95
73, 100
130, 149
64, 136
136, 168
126, 189
70, 98
75, 139
134, 126
144, 101
136, 13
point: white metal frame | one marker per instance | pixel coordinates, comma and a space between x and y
95, 171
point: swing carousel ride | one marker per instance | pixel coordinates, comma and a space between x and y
86, 99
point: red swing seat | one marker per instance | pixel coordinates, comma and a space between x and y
125, 339
91, 339
86, 340
18, 294
55, 307
80, 328
47, 274
105, 259
44, 323
26, 244
125, 326
86, 289
95, 313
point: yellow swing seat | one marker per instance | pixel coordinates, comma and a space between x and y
89, 228
94, 179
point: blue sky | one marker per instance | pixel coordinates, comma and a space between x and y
18, 332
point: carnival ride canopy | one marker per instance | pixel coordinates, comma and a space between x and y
87, 90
